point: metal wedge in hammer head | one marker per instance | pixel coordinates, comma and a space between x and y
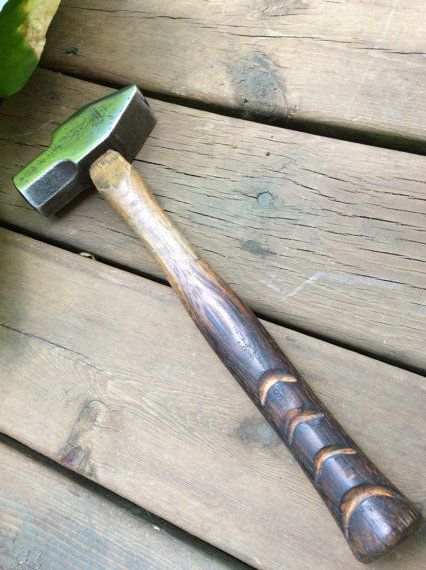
121, 121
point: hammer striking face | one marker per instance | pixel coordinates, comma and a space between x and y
120, 121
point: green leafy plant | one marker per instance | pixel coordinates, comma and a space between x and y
23, 27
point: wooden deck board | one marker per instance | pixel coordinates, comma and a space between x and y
103, 372
324, 235
51, 519
357, 64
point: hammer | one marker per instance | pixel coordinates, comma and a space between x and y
94, 147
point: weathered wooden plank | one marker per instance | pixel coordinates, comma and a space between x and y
356, 64
104, 372
51, 519
322, 235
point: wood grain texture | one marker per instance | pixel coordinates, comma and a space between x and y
104, 372
355, 64
250, 353
324, 235
51, 519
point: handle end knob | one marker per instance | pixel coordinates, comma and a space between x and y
376, 519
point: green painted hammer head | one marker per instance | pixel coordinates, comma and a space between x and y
121, 121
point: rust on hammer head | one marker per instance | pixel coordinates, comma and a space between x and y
121, 121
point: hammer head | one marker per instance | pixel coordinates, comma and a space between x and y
121, 121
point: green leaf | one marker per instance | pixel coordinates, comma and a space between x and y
23, 27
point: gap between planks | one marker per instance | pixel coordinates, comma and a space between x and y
158, 279
338, 132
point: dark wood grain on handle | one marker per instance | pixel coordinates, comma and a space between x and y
373, 515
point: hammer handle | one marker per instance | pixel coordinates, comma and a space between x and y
373, 515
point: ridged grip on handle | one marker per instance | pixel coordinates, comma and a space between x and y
373, 515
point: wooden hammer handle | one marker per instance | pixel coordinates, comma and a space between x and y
373, 515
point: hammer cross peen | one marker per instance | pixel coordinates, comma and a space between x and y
94, 147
